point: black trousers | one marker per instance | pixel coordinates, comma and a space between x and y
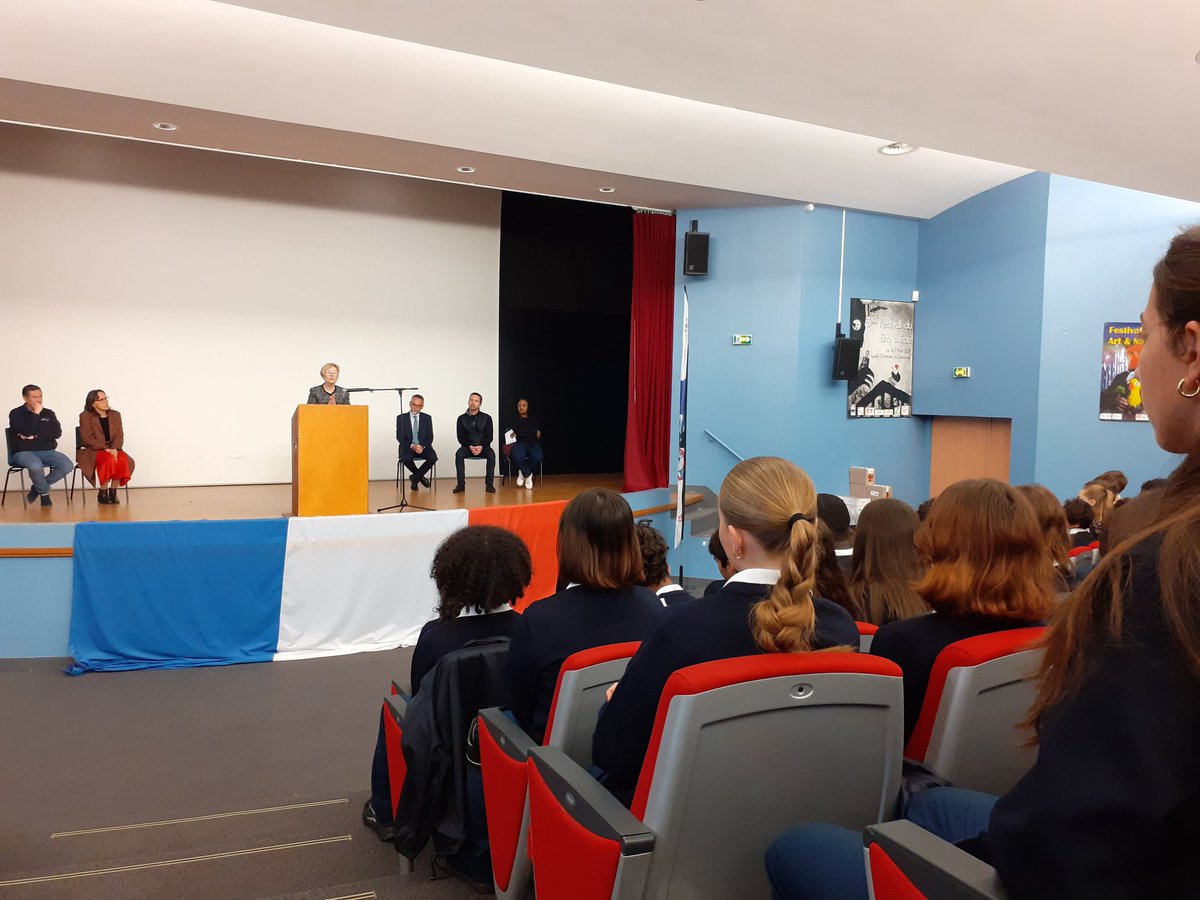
428, 458
463, 453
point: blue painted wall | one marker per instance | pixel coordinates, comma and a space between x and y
1101, 245
980, 272
775, 275
35, 594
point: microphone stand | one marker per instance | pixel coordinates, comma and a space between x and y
403, 504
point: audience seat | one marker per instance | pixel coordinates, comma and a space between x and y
979, 690
741, 749
906, 862
582, 685
866, 634
1084, 559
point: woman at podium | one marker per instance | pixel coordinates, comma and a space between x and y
328, 392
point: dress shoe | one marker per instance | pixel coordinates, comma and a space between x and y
112, 495
491, 489
102, 496
384, 832
425, 481
459, 488
32, 495
46, 501
412, 483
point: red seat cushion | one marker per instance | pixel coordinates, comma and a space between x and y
504, 782
888, 882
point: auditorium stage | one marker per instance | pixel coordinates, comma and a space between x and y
259, 501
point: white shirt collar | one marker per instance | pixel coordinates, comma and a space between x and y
843, 551
571, 585
507, 607
754, 576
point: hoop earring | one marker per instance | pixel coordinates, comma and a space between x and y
1183, 393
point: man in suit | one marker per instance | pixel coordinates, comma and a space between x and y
475, 437
415, 434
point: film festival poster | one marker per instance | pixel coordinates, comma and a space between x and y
883, 386
1120, 388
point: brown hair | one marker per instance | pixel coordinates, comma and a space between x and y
986, 554
1078, 513
480, 567
1113, 479
654, 554
762, 496
831, 582
885, 565
90, 401
596, 543
1094, 612
1053, 522
1100, 499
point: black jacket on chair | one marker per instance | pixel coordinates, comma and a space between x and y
437, 723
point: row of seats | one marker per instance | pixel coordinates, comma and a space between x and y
742, 749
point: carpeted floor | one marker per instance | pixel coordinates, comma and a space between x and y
286, 746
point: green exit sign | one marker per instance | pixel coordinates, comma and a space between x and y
743, 340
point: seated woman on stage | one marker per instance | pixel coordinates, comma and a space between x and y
599, 558
1109, 807
767, 511
328, 392
527, 451
100, 455
479, 572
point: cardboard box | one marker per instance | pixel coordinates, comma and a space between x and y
870, 491
861, 475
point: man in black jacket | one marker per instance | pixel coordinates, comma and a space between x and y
35, 434
475, 442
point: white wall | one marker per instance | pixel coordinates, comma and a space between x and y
204, 291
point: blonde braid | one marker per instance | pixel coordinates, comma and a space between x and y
785, 621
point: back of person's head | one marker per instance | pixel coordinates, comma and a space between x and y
831, 582
1052, 521
885, 566
654, 555
597, 546
831, 509
773, 500
1113, 479
1079, 514
717, 552
481, 568
923, 509
1100, 499
1154, 483
985, 554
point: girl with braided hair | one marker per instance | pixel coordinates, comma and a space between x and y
767, 511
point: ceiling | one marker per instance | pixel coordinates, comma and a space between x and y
674, 103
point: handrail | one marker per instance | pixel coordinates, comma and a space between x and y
35, 552
725, 445
688, 500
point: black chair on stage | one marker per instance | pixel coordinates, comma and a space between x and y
75, 471
19, 471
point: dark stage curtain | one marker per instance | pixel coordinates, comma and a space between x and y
652, 323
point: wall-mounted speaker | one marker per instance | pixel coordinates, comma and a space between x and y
695, 253
845, 358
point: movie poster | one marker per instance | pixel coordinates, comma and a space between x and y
883, 386
1120, 389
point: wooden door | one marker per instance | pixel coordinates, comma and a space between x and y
968, 448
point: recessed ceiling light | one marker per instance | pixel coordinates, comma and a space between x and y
165, 126
466, 170
896, 149
608, 190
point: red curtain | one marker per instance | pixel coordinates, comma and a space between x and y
651, 338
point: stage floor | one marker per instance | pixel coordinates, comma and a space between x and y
261, 501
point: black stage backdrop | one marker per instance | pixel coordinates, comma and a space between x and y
566, 275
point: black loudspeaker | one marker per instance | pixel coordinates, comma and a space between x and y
695, 253
845, 358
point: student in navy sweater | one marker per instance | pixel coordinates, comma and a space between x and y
767, 512
599, 558
1110, 807
479, 571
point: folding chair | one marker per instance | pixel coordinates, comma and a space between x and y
741, 749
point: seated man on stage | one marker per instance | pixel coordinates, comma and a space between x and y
36, 431
415, 434
474, 441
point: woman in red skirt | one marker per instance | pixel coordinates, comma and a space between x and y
100, 455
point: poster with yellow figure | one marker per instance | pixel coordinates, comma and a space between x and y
1120, 388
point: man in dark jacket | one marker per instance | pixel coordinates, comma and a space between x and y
475, 437
35, 434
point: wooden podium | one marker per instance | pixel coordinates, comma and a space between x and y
329, 460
